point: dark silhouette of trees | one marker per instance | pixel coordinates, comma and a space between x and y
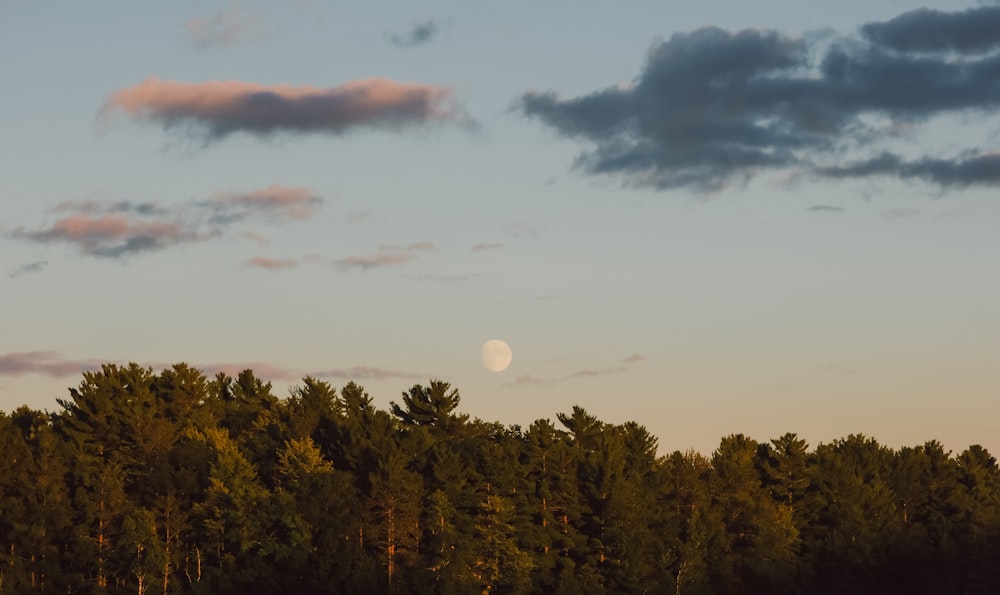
171, 483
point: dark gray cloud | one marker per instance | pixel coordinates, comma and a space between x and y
965, 170
419, 34
712, 107
25, 269
213, 110
924, 30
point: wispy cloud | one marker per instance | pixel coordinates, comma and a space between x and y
120, 228
591, 373
633, 358
272, 264
901, 214
256, 238
260, 369
419, 34
711, 107
46, 363
113, 236
824, 209
483, 247
28, 268
271, 203
364, 373
229, 27
213, 110
373, 261
388, 255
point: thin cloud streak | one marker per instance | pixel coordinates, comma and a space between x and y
272, 264
275, 201
711, 108
28, 268
373, 261
213, 110
484, 246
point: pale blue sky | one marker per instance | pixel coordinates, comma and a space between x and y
762, 299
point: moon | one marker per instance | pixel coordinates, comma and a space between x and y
496, 355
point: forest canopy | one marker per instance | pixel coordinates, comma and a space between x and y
172, 482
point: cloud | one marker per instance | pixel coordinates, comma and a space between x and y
372, 261
227, 28
962, 171
412, 247
120, 228
113, 236
364, 373
711, 108
924, 30
824, 209
387, 255
271, 203
634, 358
529, 380
213, 110
256, 238
901, 214
420, 34
31, 267
260, 369
483, 247
272, 264
46, 363
590, 373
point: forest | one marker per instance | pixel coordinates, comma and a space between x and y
173, 482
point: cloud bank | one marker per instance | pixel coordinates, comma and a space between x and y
712, 107
213, 110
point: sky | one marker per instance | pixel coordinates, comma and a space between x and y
708, 217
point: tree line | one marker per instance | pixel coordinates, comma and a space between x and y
173, 482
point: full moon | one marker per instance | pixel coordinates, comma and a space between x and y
496, 355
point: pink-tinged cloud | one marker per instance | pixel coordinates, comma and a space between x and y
230, 27
113, 236
46, 363
635, 357
216, 109
272, 264
373, 261
483, 247
275, 202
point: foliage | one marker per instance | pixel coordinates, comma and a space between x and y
172, 482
